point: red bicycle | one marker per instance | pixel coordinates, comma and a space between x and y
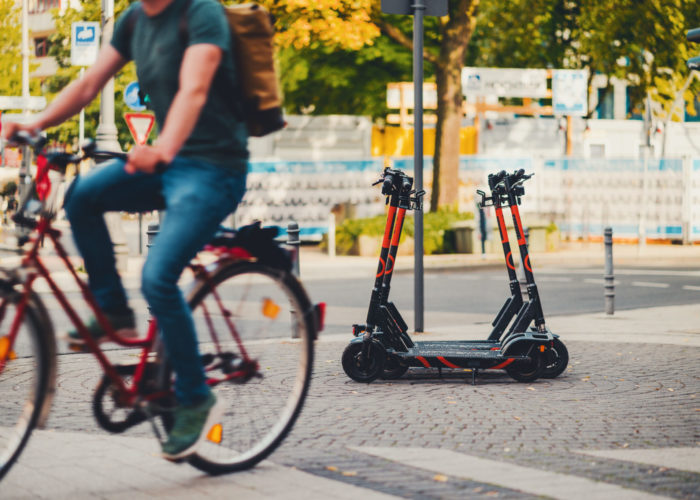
255, 324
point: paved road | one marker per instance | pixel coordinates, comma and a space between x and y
563, 291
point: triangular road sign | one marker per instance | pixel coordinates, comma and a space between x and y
140, 126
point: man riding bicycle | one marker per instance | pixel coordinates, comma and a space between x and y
196, 171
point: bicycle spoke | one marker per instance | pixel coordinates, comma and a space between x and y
262, 403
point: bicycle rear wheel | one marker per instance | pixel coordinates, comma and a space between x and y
27, 375
268, 367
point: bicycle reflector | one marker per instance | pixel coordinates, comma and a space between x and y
215, 434
43, 183
5, 351
270, 309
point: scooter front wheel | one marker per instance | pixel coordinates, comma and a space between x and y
364, 365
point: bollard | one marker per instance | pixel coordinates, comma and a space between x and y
331, 234
151, 233
140, 233
294, 242
609, 277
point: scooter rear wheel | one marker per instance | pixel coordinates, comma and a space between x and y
361, 367
557, 367
527, 370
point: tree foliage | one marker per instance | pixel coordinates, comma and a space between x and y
641, 42
10, 48
340, 24
11, 51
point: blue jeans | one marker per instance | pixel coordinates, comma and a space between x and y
197, 196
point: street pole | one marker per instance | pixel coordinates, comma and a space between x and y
418, 8
107, 130
26, 152
106, 139
81, 123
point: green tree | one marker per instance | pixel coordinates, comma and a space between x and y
10, 45
11, 53
352, 24
328, 81
641, 42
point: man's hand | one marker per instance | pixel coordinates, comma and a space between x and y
146, 159
9, 129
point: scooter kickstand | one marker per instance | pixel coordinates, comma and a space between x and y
474, 371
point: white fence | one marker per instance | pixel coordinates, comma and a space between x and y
582, 196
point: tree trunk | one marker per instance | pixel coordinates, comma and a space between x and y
448, 72
449, 120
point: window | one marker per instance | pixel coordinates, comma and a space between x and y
41, 47
36, 6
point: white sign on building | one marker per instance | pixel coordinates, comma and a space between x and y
570, 92
85, 43
504, 82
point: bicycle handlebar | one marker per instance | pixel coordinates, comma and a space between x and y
59, 161
693, 35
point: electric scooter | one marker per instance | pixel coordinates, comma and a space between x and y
382, 346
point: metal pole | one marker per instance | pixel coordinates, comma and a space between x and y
295, 243
609, 277
107, 130
331, 234
24, 175
151, 233
418, 12
81, 125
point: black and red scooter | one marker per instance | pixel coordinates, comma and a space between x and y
382, 346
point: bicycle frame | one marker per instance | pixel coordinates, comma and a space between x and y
128, 393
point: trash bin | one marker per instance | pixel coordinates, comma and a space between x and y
466, 236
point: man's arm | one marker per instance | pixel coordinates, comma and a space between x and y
197, 71
76, 95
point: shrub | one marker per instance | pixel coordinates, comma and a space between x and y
435, 227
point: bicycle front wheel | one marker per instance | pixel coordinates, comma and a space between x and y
256, 334
27, 375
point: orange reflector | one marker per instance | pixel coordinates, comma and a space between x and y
270, 309
5, 347
216, 434
541, 348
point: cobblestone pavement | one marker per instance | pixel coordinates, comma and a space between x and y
614, 396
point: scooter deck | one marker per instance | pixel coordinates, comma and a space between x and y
449, 354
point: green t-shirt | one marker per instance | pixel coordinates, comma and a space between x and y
156, 46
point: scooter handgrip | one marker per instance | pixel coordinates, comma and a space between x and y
388, 181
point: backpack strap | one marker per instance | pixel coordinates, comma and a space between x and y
220, 81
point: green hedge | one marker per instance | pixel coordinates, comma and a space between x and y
436, 230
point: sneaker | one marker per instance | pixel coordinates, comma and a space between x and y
192, 423
124, 325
